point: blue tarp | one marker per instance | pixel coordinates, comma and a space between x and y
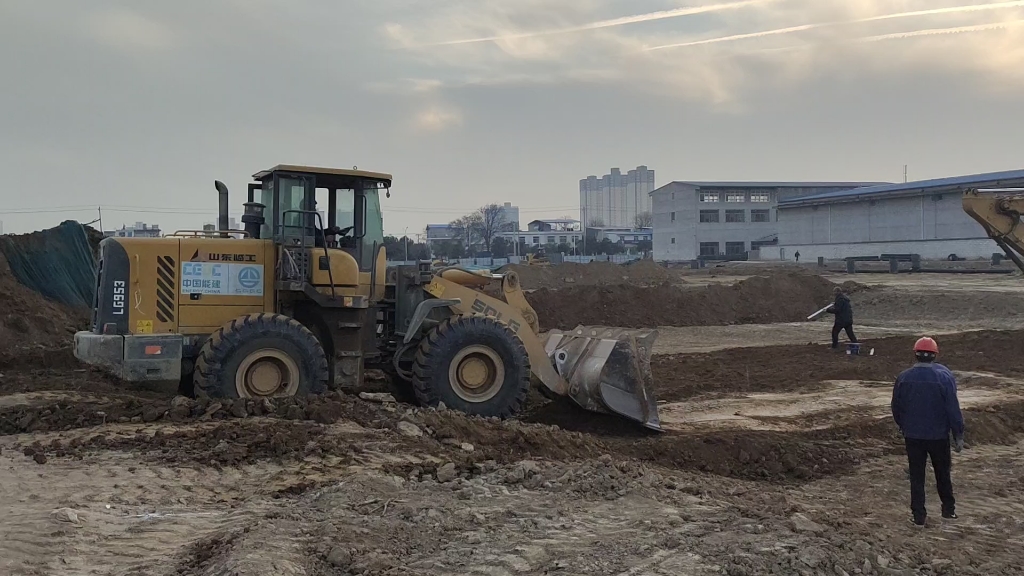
58, 263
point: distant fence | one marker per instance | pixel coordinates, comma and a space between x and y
554, 258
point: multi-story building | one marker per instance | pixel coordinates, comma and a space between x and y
710, 219
547, 233
440, 233
510, 216
615, 200
139, 230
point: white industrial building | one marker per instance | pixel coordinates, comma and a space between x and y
714, 219
924, 217
615, 199
546, 233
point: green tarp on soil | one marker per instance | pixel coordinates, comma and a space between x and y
59, 263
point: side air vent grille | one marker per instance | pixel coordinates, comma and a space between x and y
165, 288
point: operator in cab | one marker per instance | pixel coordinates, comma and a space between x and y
926, 410
843, 311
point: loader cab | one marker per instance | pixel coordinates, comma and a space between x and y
303, 206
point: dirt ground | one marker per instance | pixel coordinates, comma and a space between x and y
779, 457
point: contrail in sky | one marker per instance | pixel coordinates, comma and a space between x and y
661, 15
790, 30
936, 31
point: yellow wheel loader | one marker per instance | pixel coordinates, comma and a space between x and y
293, 305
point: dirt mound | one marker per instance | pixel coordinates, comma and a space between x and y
641, 272
30, 321
788, 368
785, 297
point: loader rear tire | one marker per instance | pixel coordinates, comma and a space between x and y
475, 365
261, 355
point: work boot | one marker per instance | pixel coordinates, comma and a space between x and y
919, 520
949, 515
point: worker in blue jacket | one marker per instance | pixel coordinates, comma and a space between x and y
926, 409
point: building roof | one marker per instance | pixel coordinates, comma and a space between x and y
765, 184
556, 221
329, 173
1006, 179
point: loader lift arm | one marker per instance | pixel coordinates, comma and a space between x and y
601, 369
999, 215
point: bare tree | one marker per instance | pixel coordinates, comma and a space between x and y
491, 220
596, 222
466, 229
644, 220
481, 226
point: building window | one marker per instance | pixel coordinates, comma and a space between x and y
709, 196
760, 216
761, 197
673, 195
734, 248
673, 241
551, 239
536, 239
735, 197
522, 239
673, 216
735, 216
709, 216
563, 239
709, 248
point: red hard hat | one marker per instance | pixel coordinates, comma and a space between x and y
926, 345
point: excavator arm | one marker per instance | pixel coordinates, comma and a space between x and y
1000, 217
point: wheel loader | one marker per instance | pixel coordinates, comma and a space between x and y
293, 305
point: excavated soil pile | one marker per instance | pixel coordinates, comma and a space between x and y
29, 321
789, 368
785, 297
642, 272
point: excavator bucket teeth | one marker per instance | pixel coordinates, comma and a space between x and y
608, 370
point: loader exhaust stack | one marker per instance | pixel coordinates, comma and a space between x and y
608, 370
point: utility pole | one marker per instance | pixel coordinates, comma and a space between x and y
904, 173
99, 212
406, 237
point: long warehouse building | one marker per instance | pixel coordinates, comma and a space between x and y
924, 217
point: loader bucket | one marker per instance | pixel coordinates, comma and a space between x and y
608, 370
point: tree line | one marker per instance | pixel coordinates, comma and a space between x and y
479, 234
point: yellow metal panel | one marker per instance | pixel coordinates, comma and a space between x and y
212, 316
344, 268
152, 284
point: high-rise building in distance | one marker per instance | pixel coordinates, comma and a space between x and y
616, 199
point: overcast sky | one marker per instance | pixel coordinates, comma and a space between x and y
139, 105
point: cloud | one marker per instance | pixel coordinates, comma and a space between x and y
621, 21
129, 30
532, 42
877, 18
437, 118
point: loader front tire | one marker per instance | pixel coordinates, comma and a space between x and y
261, 355
475, 365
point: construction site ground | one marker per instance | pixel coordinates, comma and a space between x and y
779, 455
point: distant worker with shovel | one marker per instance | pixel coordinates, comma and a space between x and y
843, 311
926, 409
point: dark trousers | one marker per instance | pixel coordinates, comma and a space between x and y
918, 452
837, 328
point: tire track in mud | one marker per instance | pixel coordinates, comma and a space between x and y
220, 438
